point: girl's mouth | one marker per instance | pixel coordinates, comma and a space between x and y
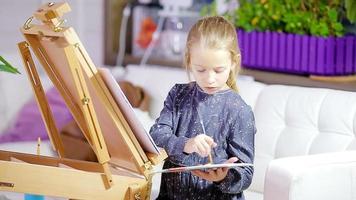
211, 89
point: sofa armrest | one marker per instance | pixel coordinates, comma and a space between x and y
327, 176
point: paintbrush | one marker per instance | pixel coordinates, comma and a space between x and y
203, 127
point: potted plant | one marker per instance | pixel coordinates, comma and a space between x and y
7, 67
296, 36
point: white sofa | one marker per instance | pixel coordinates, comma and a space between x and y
304, 141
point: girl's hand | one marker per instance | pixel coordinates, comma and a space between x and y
200, 144
214, 175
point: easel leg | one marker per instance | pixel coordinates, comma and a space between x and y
89, 114
41, 99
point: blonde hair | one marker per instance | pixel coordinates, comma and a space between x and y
217, 33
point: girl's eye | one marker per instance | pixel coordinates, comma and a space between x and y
219, 70
201, 70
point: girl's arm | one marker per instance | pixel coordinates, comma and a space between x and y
162, 131
240, 145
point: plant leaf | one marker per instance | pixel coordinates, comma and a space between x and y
7, 67
350, 6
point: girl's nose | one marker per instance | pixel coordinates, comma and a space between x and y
211, 77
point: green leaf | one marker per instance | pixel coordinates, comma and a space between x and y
324, 30
332, 15
7, 67
350, 6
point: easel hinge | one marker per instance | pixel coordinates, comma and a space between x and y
135, 192
138, 196
85, 101
27, 24
148, 165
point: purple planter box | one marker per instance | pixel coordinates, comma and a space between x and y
298, 54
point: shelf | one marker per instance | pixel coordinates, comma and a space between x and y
262, 76
129, 59
297, 80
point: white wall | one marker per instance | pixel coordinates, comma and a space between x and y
87, 18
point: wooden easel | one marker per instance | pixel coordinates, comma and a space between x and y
123, 168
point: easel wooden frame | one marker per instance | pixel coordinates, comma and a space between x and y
78, 179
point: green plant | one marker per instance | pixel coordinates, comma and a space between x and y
7, 67
312, 17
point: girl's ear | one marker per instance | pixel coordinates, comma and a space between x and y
237, 63
238, 58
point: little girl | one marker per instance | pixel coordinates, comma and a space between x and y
205, 117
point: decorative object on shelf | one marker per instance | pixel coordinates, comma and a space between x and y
7, 67
298, 37
164, 30
148, 27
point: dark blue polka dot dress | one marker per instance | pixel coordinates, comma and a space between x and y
227, 119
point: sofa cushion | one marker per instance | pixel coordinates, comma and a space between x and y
150, 78
295, 121
251, 195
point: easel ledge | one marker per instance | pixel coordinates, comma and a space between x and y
83, 180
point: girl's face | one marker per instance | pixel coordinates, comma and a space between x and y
210, 68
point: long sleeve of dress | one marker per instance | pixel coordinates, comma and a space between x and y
162, 131
241, 145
